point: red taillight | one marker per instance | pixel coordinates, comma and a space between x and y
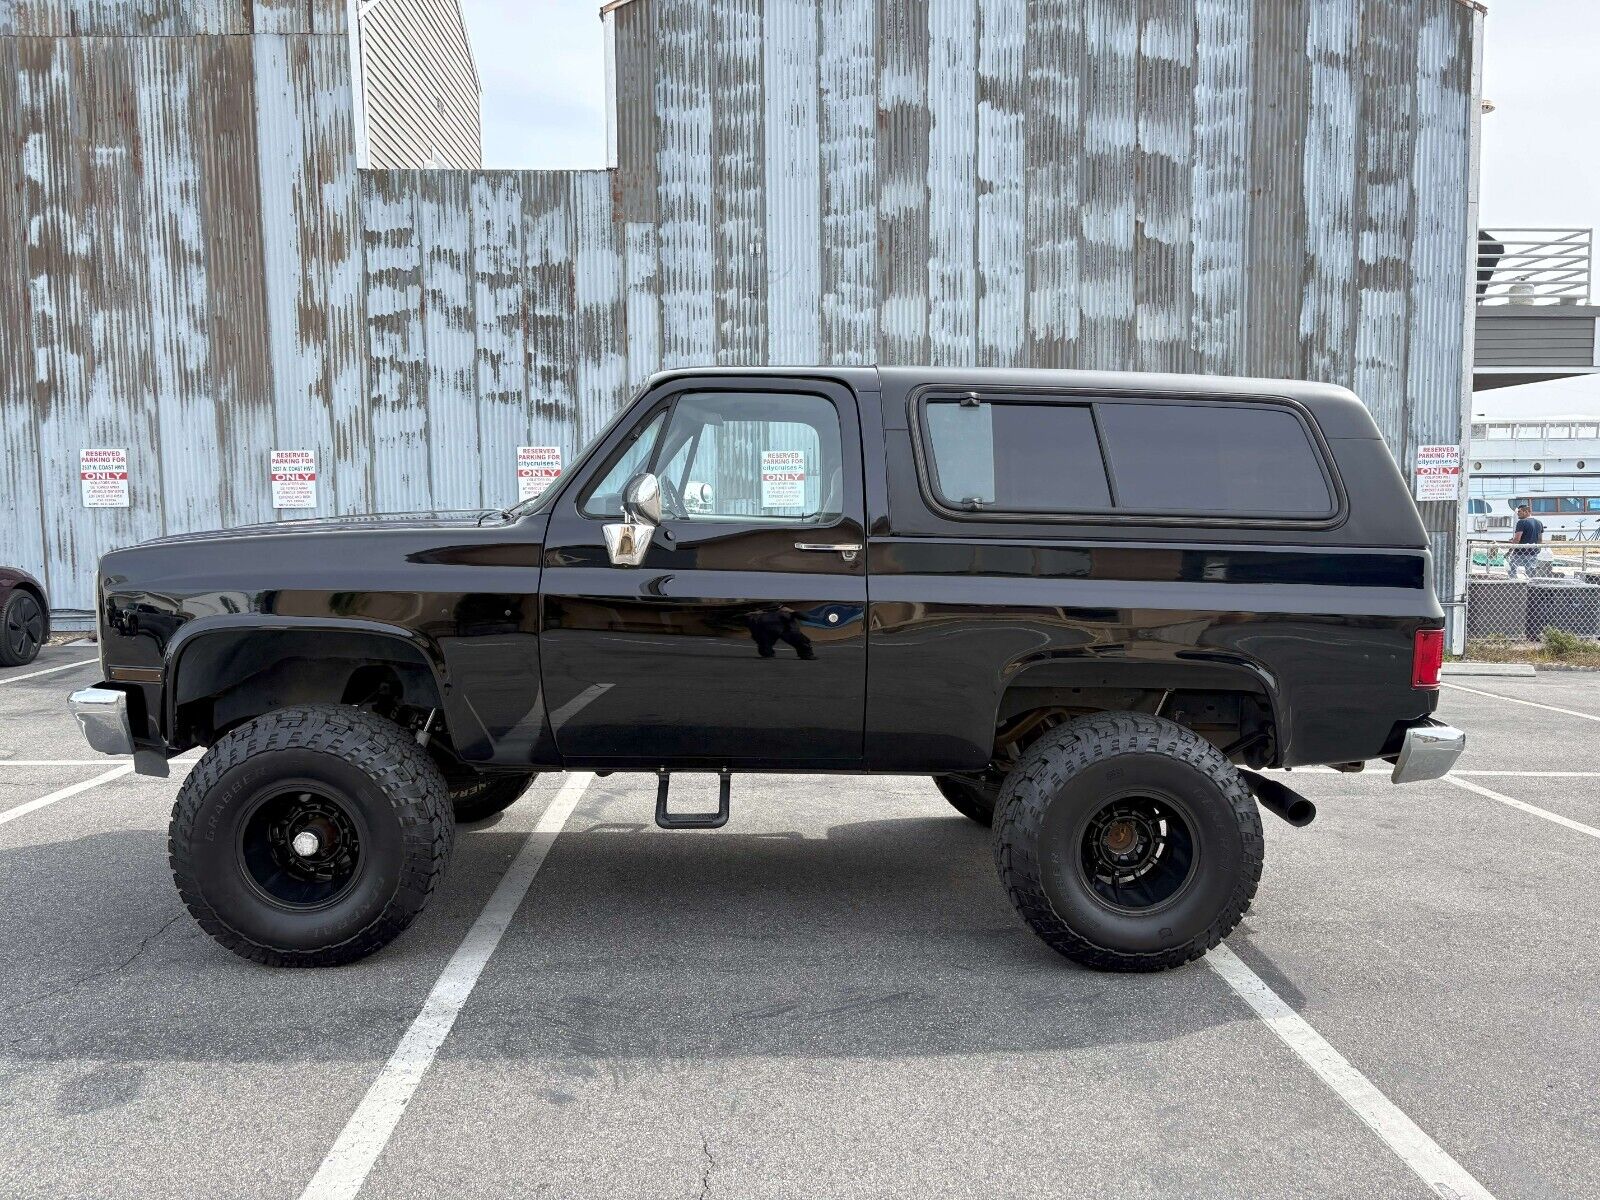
1427, 656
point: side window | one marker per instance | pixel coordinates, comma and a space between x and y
604, 496
1213, 460
752, 456
1016, 457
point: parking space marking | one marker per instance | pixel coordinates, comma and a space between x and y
1524, 806
371, 1126
1400, 1133
22, 810
1571, 712
1536, 774
82, 662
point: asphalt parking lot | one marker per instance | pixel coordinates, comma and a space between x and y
828, 997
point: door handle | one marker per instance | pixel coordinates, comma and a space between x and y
848, 549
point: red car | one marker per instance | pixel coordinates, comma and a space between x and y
24, 617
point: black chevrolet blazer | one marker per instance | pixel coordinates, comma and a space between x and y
1090, 606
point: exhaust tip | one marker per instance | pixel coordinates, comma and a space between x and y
1282, 802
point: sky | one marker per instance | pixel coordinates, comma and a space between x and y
543, 71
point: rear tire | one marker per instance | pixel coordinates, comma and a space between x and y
22, 629
310, 836
972, 796
480, 798
1127, 842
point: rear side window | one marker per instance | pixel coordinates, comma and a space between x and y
1203, 459
1209, 459
1017, 457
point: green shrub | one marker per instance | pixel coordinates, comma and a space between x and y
1558, 643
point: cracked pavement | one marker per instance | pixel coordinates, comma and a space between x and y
828, 997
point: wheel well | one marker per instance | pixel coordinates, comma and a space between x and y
1237, 720
225, 679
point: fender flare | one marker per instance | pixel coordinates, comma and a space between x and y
458, 714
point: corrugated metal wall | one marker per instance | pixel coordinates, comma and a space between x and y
191, 266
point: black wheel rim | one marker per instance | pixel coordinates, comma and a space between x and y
24, 626
300, 847
1138, 852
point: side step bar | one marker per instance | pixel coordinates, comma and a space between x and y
699, 820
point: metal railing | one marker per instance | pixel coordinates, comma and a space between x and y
1535, 266
1516, 594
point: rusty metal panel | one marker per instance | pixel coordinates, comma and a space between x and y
168, 79
1053, 129
156, 18
598, 325
683, 181
240, 351
902, 167
847, 113
338, 222
1219, 270
396, 371
280, 16
738, 185
1163, 239
22, 533
549, 262
952, 182
794, 211
1002, 178
1329, 178
1277, 213
1383, 214
1111, 37
449, 341
634, 183
500, 314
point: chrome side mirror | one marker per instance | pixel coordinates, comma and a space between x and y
628, 541
641, 500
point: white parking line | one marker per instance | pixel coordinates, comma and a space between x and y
1525, 807
1400, 1133
22, 810
1571, 712
1536, 774
369, 1129
82, 662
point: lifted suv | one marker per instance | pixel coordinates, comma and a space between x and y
1091, 607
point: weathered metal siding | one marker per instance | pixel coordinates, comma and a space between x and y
179, 269
1234, 186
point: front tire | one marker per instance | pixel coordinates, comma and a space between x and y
1127, 842
310, 836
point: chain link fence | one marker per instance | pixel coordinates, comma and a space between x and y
1545, 595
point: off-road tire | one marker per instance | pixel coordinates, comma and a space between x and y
480, 798
23, 627
1063, 779
408, 832
971, 797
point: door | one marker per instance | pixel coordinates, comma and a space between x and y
740, 640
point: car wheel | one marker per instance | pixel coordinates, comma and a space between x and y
479, 799
310, 836
1127, 842
972, 796
21, 629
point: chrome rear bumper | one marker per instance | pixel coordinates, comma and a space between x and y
1428, 752
102, 714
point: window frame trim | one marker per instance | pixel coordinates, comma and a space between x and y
921, 446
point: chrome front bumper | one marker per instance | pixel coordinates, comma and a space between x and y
102, 714
1428, 752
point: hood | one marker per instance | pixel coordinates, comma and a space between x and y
465, 518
